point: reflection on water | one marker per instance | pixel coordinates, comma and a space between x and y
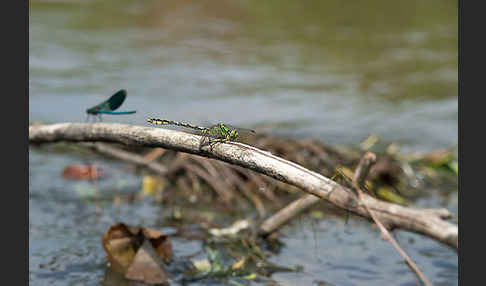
334, 70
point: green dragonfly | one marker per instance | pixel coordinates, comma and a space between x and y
108, 106
222, 132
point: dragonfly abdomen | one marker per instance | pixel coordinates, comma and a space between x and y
116, 112
157, 121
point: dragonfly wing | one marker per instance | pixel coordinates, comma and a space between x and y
116, 99
241, 130
109, 105
244, 134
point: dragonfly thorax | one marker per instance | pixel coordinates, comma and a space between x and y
93, 110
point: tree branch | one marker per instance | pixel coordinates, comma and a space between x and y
431, 223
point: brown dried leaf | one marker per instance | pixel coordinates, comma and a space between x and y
119, 247
160, 242
147, 266
82, 172
122, 244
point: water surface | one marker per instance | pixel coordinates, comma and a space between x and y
333, 70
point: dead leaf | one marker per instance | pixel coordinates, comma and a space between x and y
239, 264
369, 142
202, 265
232, 230
160, 242
119, 246
128, 247
82, 172
153, 186
147, 266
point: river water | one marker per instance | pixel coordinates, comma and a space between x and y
332, 70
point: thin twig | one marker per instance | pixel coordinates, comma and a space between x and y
154, 154
287, 213
126, 156
359, 178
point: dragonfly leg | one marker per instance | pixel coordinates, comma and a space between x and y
201, 142
211, 143
218, 140
205, 140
